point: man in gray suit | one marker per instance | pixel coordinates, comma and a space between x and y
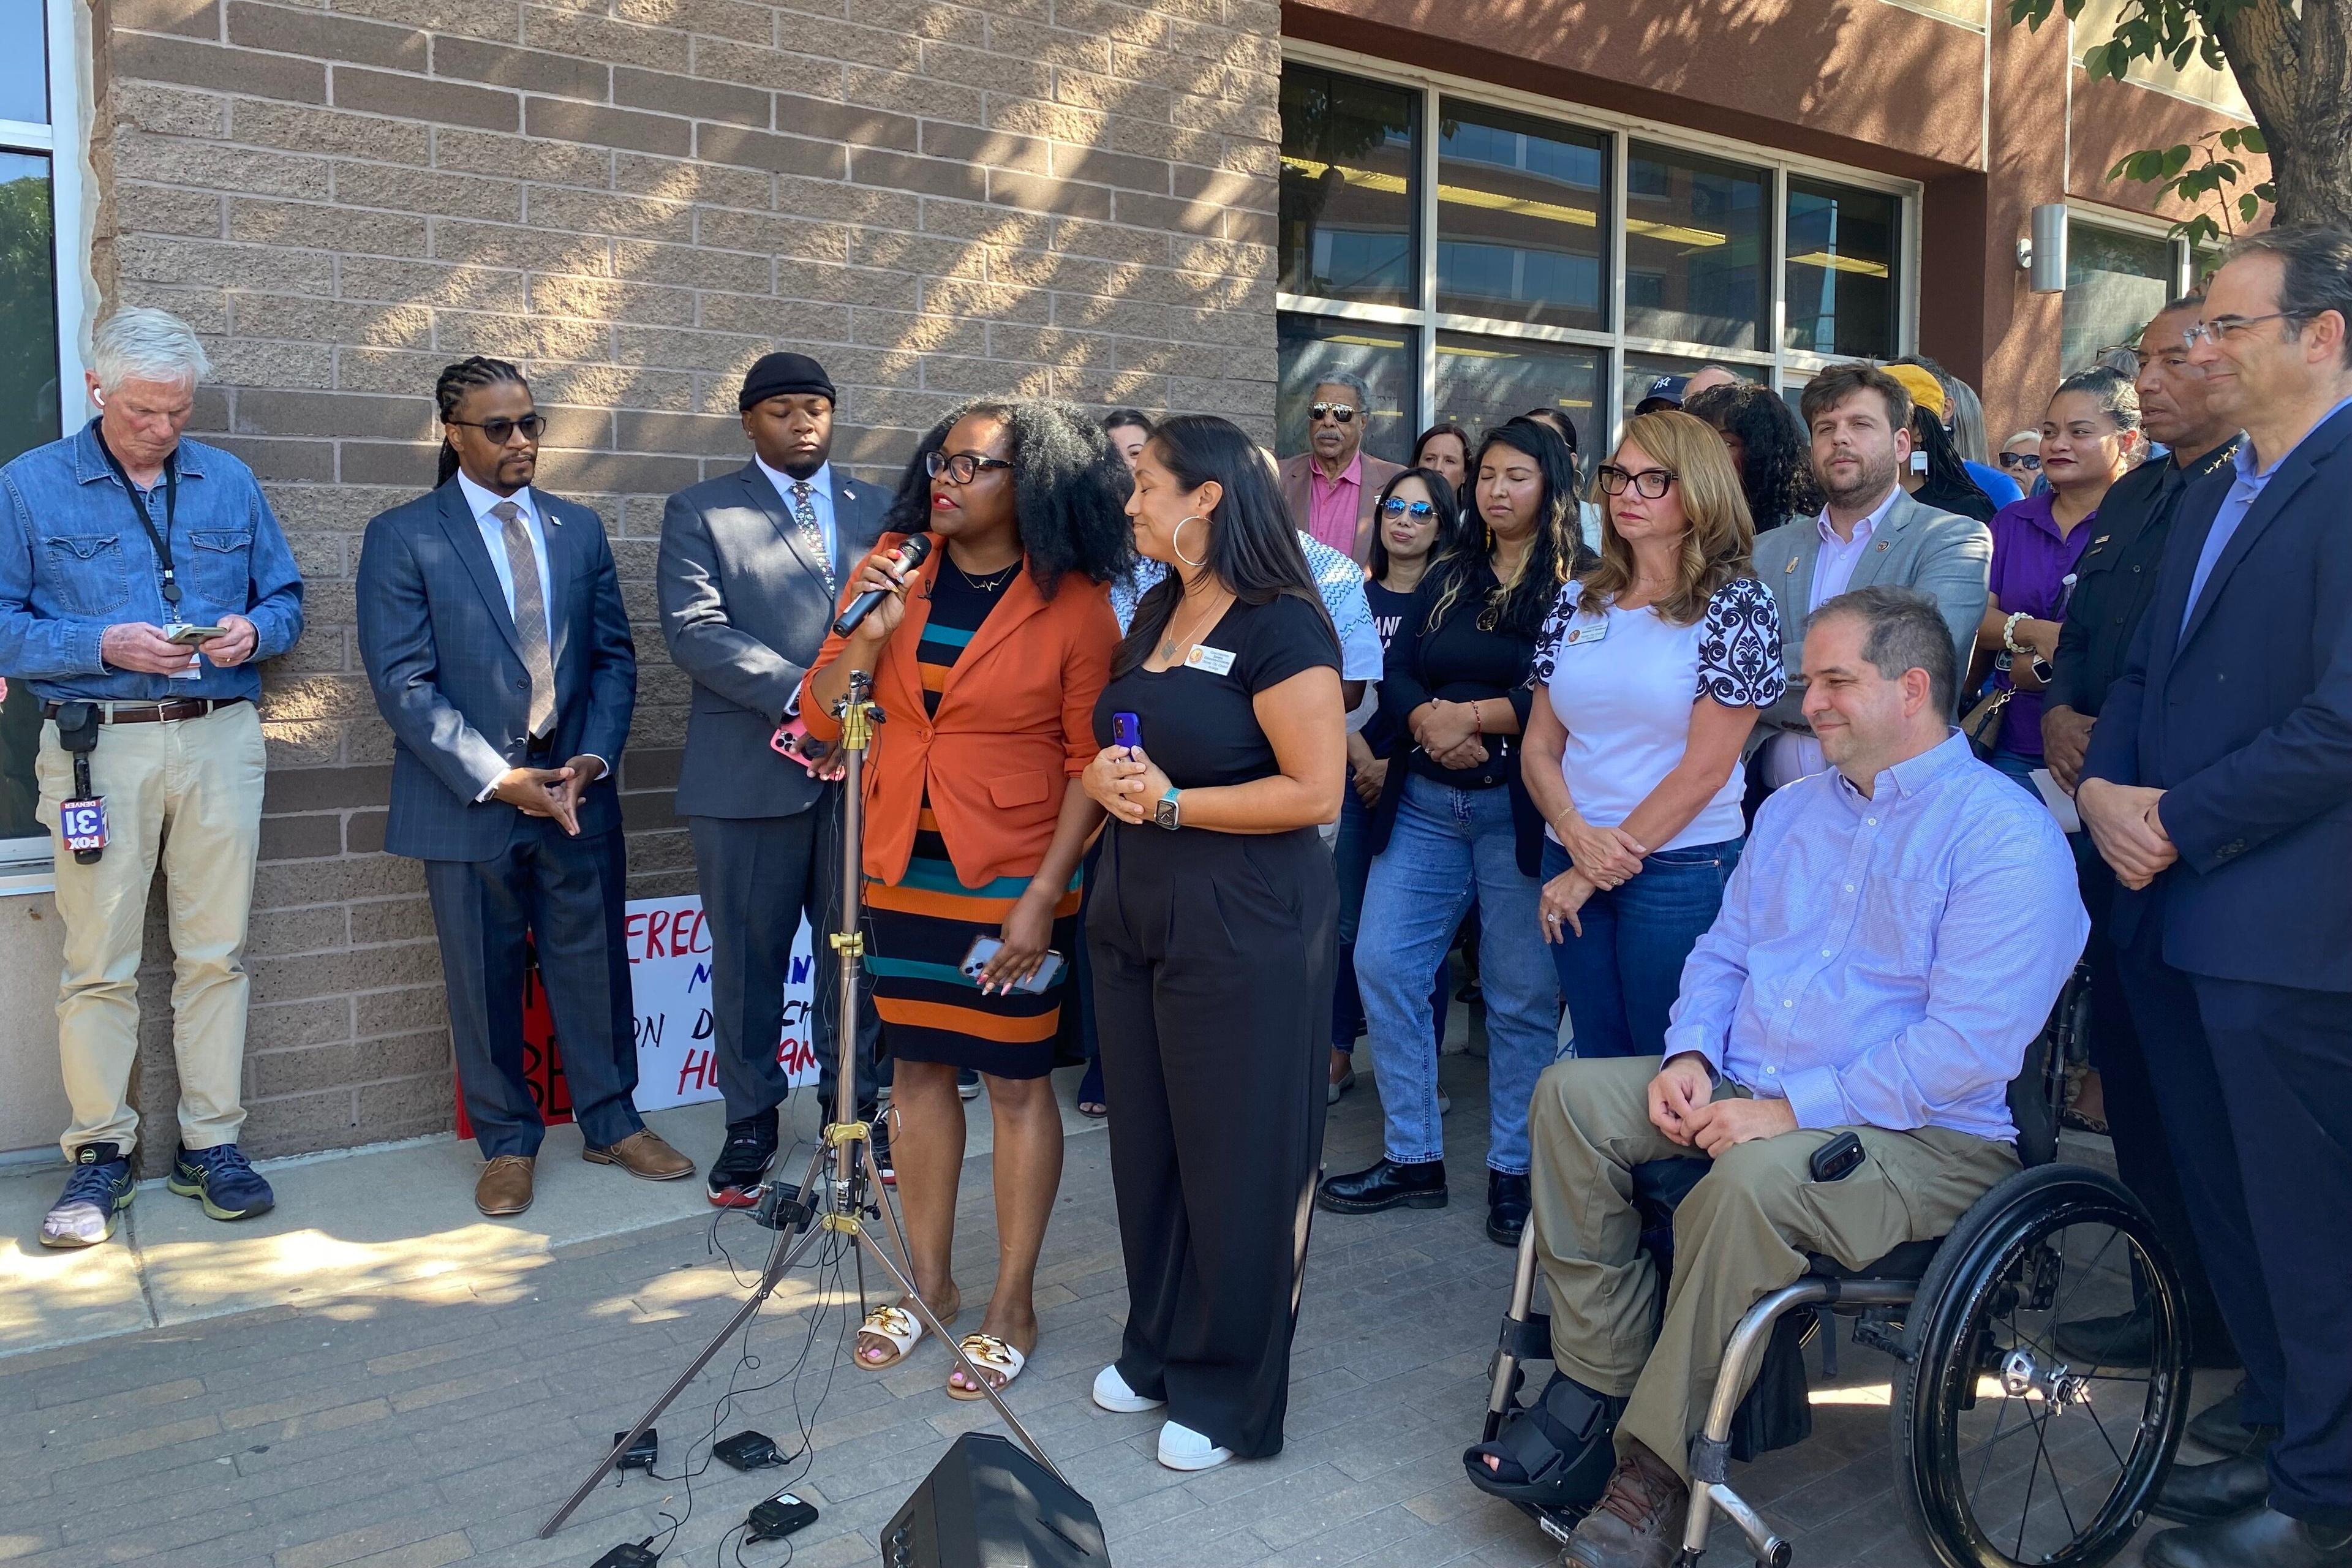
1870, 533
752, 568
491, 626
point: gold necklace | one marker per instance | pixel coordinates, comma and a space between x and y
988, 585
1167, 643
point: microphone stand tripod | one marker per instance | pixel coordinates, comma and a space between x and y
847, 1200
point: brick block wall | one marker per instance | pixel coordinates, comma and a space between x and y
634, 199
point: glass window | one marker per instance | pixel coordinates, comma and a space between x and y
1841, 265
24, 61
1482, 381
2114, 282
28, 416
1642, 369
1348, 197
1522, 215
1695, 234
1311, 347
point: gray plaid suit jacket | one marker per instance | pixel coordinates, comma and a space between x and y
440, 649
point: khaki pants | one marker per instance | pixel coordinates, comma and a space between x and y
189, 793
1742, 1233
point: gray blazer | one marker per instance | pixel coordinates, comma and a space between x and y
744, 610
440, 649
1947, 558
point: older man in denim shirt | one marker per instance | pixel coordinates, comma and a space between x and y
143, 575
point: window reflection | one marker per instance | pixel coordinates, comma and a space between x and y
1694, 243
2114, 282
1484, 381
1521, 219
28, 417
24, 61
1840, 270
1347, 199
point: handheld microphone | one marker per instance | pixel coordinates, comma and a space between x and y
909, 554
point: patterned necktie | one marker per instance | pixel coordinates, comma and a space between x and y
811, 535
530, 616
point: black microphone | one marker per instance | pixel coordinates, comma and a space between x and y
909, 555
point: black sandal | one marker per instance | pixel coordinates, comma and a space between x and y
1554, 1454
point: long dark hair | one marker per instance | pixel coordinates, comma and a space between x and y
1776, 469
460, 379
1450, 532
1253, 544
1947, 486
1556, 552
1069, 490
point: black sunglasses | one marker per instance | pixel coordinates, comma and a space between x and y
961, 466
1649, 482
2029, 461
1421, 510
1345, 413
500, 431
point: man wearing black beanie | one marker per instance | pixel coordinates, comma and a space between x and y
752, 565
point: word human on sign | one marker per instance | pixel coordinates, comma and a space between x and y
669, 976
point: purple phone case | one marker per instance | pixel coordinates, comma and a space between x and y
1126, 729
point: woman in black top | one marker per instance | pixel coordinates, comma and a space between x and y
1454, 823
1214, 936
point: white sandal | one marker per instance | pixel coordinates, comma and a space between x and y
901, 1329
990, 1354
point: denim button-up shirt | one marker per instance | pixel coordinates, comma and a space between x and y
74, 561
1883, 960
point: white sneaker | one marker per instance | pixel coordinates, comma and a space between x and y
1444, 1103
1181, 1448
1112, 1394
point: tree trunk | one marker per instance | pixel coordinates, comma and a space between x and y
2294, 66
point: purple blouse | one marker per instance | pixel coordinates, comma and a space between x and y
2030, 561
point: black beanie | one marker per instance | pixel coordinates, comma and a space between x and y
779, 374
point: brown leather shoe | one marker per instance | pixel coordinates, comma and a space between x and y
1638, 1523
505, 1186
643, 1153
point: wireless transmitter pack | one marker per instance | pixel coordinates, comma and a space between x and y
628, 1554
642, 1453
749, 1450
779, 1517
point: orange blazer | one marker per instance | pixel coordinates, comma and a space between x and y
1016, 722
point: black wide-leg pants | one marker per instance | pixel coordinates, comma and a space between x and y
1214, 957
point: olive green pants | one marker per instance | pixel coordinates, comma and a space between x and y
1742, 1233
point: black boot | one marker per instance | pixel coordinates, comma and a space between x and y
2195, 1494
2222, 1427
2261, 1538
743, 1164
1384, 1185
1507, 1207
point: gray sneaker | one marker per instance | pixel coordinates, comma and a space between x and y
100, 1189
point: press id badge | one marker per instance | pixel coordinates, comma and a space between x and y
1215, 660
82, 824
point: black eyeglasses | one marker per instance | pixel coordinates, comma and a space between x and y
1345, 413
961, 466
2029, 461
500, 431
1419, 510
1650, 482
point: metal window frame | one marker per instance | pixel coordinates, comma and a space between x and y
1780, 363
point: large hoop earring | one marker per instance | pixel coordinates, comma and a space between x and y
1176, 541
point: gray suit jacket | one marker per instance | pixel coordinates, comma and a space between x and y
744, 609
440, 649
1947, 558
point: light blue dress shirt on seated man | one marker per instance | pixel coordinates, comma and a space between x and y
1884, 960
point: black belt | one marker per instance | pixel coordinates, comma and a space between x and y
171, 711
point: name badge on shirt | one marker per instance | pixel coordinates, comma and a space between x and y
1215, 660
1590, 631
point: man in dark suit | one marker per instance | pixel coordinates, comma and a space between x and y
752, 568
2219, 787
491, 626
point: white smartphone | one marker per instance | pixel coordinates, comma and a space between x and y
984, 948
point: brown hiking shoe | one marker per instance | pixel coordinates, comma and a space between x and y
1638, 1522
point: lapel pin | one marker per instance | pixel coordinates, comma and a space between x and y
1790, 570
1882, 544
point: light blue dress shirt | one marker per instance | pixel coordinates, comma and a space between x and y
1339, 580
2240, 499
1884, 960
819, 501
494, 539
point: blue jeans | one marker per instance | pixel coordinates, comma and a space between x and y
1622, 976
1449, 847
2018, 766
1353, 853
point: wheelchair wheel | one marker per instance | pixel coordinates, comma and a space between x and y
2006, 1454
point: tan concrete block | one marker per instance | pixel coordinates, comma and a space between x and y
783, 154
391, 920
298, 31
1082, 47
537, 70
302, 744
600, 39
598, 299
613, 385
692, 267
758, 66
417, 97
334, 322
216, 166
428, 284
487, 19
167, 209
429, 1099
142, 56
188, 18
695, 98
1110, 95
237, 364
796, 238
361, 876
434, 192
933, 98
169, 110
299, 1124
509, 246
833, 200
636, 216
316, 1021
401, 1011
506, 157
567, 121
285, 931
913, 334
720, 18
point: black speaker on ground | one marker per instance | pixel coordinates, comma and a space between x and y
989, 1505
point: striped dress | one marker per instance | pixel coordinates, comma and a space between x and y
920, 928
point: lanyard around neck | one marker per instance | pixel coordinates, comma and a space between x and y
162, 541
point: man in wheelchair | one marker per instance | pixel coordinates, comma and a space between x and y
1887, 948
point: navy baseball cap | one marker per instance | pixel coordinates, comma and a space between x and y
1669, 388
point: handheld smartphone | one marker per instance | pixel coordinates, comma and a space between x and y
1126, 729
792, 740
984, 948
1837, 1159
189, 637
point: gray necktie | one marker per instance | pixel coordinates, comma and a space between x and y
530, 616
811, 535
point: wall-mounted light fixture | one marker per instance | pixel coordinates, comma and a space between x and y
2041, 254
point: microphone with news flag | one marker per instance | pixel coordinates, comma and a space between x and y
911, 553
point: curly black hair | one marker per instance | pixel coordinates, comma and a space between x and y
1070, 490
1776, 469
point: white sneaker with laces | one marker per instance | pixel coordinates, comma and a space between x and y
1112, 1394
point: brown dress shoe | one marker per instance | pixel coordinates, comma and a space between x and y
505, 1186
643, 1153
1638, 1523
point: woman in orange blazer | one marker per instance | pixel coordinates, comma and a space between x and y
987, 659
